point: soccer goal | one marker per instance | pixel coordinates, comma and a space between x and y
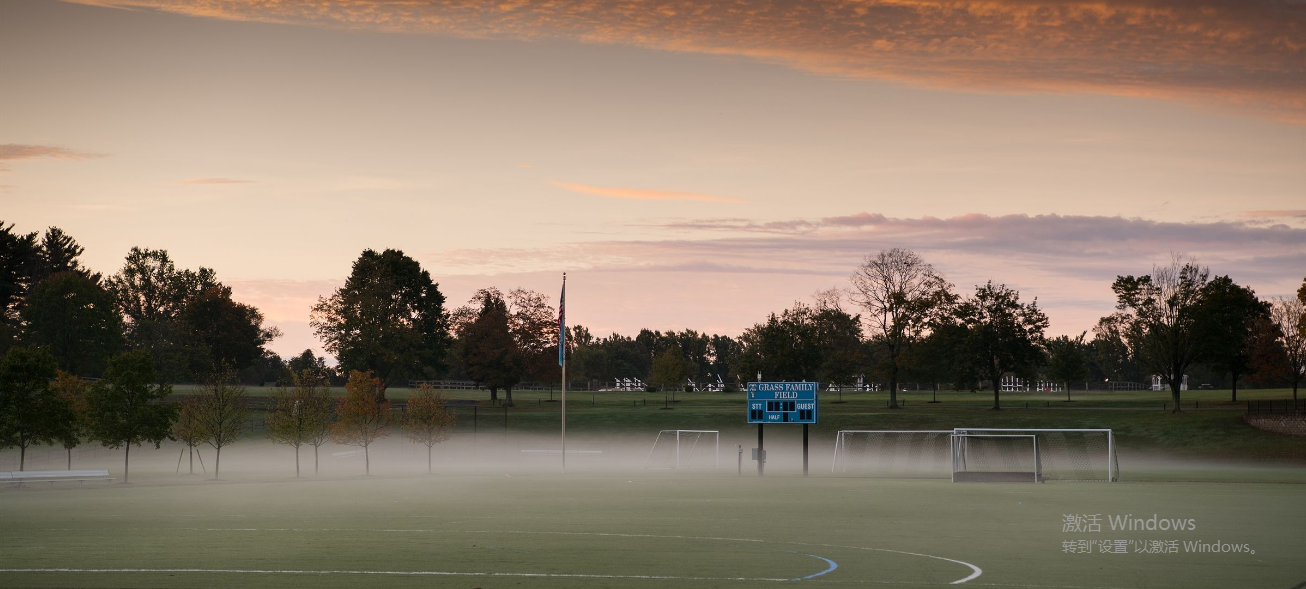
1059, 454
685, 448
995, 458
893, 453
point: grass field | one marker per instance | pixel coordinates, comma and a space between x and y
498, 513
640, 531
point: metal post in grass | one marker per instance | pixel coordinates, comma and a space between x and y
805, 449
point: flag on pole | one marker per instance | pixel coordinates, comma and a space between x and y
562, 323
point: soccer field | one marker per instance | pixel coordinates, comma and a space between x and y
642, 530
498, 513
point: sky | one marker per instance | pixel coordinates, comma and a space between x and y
688, 164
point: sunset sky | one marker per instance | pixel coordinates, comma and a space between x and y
688, 164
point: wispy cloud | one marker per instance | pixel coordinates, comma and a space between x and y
215, 181
18, 151
1244, 53
641, 194
1281, 216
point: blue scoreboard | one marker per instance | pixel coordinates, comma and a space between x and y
782, 402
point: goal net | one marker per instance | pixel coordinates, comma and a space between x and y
685, 448
893, 453
984, 457
1062, 454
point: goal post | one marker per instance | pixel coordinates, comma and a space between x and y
685, 448
893, 453
1063, 454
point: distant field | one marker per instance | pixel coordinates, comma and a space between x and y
1208, 428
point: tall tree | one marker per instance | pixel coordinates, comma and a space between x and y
311, 362
839, 344
223, 331
1287, 315
299, 412
19, 255
153, 294
223, 409
363, 415
427, 419
388, 318
899, 293
1066, 360
534, 327
1111, 350
783, 347
76, 320
669, 370
29, 410
126, 408
490, 353
59, 252
1162, 312
1225, 320
1002, 334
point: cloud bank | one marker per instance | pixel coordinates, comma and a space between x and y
1247, 53
724, 275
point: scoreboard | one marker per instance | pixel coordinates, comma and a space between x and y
782, 402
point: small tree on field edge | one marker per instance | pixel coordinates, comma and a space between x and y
223, 410
187, 427
29, 411
427, 419
125, 405
363, 415
71, 425
301, 414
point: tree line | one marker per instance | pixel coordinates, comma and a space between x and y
185, 320
897, 320
127, 407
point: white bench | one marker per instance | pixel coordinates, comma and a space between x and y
17, 477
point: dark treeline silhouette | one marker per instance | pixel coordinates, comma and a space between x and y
898, 321
84, 357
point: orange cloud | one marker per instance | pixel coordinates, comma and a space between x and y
1249, 54
16, 151
641, 194
215, 181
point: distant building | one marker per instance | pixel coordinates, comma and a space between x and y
1158, 383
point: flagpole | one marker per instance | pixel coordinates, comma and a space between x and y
562, 353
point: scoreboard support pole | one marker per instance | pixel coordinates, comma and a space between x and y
804, 449
761, 457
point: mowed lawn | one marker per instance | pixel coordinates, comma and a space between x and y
637, 530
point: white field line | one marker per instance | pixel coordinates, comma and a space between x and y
396, 573
975, 571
